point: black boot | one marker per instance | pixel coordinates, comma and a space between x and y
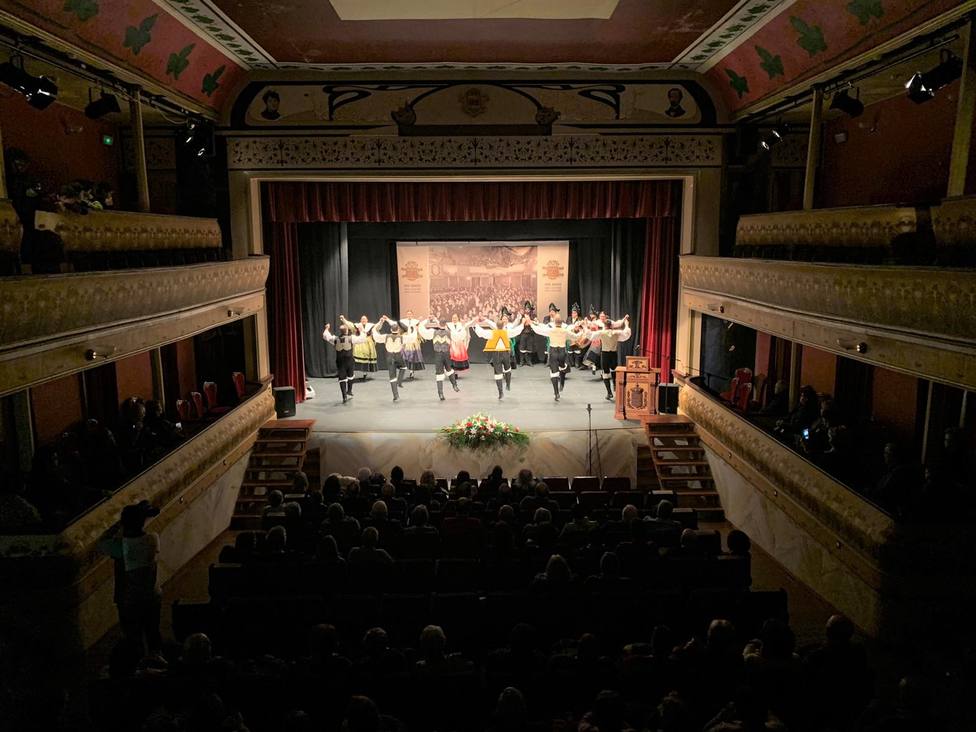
562, 378
606, 383
508, 380
342, 388
454, 384
400, 375
501, 392
440, 390
555, 386
396, 393
349, 383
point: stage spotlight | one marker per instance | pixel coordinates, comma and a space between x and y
924, 84
851, 106
772, 137
198, 138
39, 90
105, 104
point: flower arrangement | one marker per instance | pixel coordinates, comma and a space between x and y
482, 430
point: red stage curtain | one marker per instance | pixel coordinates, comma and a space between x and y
289, 204
285, 309
403, 202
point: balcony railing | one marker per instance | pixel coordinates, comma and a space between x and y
913, 319
50, 324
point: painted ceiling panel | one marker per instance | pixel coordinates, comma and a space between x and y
140, 36
638, 32
812, 36
458, 9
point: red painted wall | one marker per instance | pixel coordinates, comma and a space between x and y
896, 152
819, 369
764, 342
894, 403
134, 377
57, 157
56, 405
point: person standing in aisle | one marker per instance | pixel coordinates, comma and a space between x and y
344, 344
435, 332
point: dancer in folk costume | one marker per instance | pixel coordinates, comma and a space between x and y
526, 342
498, 344
560, 335
460, 338
344, 344
364, 353
393, 342
575, 349
595, 323
434, 331
413, 356
613, 333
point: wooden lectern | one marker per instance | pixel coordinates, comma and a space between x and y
636, 389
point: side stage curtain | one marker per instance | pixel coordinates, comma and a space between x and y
285, 308
308, 202
659, 297
323, 257
607, 272
372, 266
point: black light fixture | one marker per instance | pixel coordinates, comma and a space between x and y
924, 84
105, 104
39, 91
197, 137
844, 102
773, 136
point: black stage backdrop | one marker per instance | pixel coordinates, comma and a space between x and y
350, 269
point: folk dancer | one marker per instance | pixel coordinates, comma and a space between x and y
560, 335
595, 323
435, 332
574, 350
364, 354
344, 344
393, 341
498, 343
613, 333
460, 338
412, 355
526, 342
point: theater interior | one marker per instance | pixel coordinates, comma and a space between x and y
760, 524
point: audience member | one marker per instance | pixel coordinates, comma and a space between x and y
369, 551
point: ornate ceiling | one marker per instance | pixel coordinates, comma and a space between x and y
203, 49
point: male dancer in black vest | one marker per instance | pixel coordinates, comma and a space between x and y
393, 342
345, 362
438, 334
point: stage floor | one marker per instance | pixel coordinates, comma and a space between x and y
529, 405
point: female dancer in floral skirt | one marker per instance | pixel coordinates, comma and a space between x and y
460, 338
412, 355
364, 353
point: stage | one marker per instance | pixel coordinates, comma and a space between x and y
374, 431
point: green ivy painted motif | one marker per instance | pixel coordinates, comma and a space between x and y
179, 61
739, 83
772, 65
84, 9
811, 37
136, 37
865, 10
210, 81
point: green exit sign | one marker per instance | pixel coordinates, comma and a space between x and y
108, 140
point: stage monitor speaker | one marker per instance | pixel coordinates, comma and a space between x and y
284, 397
667, 398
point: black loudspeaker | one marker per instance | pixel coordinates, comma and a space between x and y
284, 401
667, 398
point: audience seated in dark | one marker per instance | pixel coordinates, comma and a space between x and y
389, 529
806, 412
778, 403
420, 540
369, 551
541, 533
839, 682
345, 529
900, 486
434, 659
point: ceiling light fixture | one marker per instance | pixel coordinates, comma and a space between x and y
773, 137
924, 84
844, 102
105, 104
39, 91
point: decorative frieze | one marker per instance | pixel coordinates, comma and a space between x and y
120, 231
859, 226
954, 223
362, 152
44, 307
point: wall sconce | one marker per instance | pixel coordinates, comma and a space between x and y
93, 355
860, 347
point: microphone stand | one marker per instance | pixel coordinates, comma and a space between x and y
589, 439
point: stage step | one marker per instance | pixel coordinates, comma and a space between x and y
279, 452
683, 472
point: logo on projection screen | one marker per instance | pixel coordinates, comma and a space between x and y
552, 270
411, 271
